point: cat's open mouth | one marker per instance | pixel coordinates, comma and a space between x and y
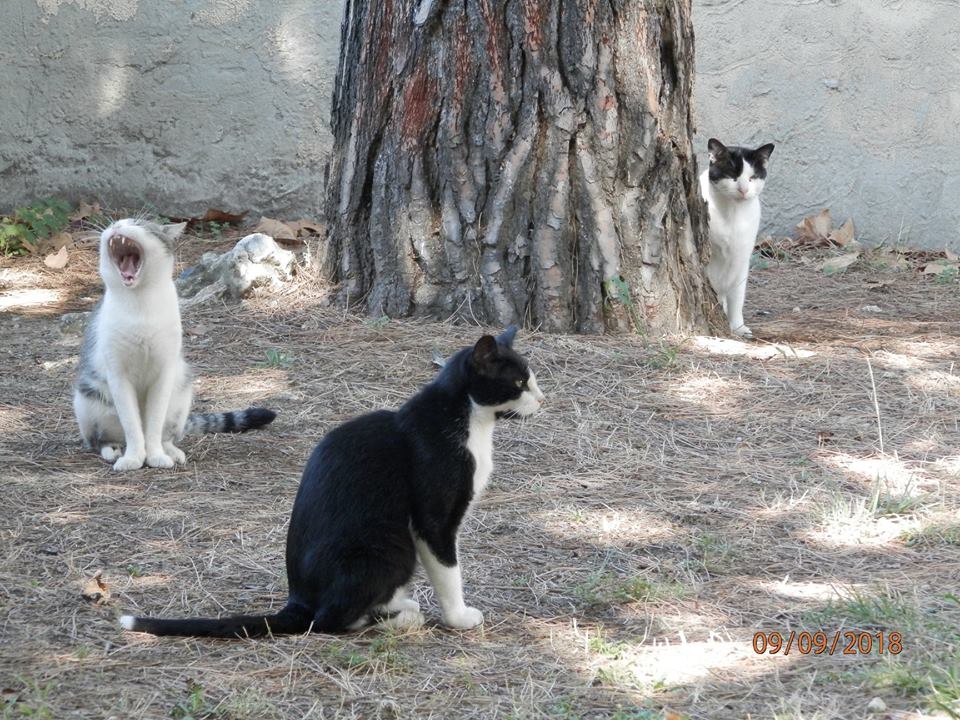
127, 256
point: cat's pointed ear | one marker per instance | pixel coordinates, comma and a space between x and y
484, 351
506, 337
763, 152
172, 232
716, 149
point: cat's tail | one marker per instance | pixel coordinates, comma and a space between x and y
291, 620
228, 422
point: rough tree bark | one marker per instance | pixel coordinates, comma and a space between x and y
519, 160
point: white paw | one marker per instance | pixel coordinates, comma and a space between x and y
463, 619
407, 619
110, 453
744, 332
159, 460
176, 453
406, 605
128, 462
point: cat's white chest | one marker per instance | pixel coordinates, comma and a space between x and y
480, 445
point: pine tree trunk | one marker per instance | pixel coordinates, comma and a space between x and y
519, 161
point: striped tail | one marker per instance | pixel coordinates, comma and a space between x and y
234, 421
291, 620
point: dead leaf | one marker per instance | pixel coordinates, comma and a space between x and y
275, 229
219, 216
57, 260
839, 263
95, 590
84, 211
843, 235
198, 329
876, 285
61, 239
951, 256
815, 230
306, 227
211, 216
936, 268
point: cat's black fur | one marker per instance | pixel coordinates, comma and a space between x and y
366, 485
727, 162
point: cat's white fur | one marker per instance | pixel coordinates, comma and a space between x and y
734, 207
447, 581
137, 350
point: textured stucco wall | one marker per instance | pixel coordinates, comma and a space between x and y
175, 104
862, 98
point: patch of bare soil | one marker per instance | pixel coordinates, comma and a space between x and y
676, 498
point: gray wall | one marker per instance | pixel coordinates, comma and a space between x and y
862, 98
189, 104
177, 104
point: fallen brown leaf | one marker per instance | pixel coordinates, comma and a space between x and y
85, 210
938, 268
95, 590
839, 263
306, 227
275, 229
843, 235
57, 260
815, 230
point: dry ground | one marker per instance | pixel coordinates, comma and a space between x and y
675, 498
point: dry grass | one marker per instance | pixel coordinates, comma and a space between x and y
676, 497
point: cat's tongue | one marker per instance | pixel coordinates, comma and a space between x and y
128, 267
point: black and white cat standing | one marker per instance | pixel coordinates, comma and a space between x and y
382, 491
732, 186
134, 389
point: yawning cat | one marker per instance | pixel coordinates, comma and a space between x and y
380, 492
732, 186
134, 386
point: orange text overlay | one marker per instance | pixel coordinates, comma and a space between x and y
848, 642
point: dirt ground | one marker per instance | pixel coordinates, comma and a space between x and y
675, 498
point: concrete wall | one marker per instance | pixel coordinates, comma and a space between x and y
175, 104
862, 98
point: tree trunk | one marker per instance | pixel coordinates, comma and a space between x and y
519, 161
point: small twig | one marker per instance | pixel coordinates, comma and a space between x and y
876, 405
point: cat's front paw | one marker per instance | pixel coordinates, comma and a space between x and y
128, 462
463, 619
176, 454
159, 460
744, 332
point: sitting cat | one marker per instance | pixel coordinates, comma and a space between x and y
381, 491
732, 186
134, 386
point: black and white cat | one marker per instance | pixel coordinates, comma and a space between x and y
382, 491
134, 387
732, 186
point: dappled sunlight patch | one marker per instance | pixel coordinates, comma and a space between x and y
818, 592
885, 474
730, 347
897, 361
933, 381
29, 298
65, 517
711, 391
605, 526
856, 521
248, 386
661, 663
14, 418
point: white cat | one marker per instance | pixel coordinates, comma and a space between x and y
134, 386
732, 186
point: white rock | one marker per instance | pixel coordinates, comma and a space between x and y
255, 261
877, 705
